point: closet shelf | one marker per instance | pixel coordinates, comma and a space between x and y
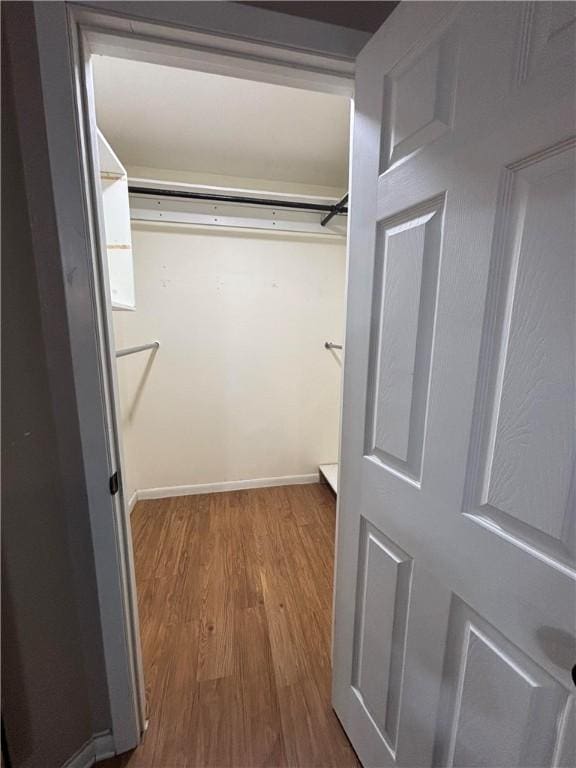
330, 474
218, 206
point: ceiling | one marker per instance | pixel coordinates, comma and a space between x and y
182, 120
365, 16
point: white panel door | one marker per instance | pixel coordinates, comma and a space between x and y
455, 603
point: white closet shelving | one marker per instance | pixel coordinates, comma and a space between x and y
330, 473
116, 208
145, 205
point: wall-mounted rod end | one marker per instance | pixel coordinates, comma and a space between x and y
331, 345
340, 207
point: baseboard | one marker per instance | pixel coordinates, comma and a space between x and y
99, 747
228, 485
132, 502
104, 745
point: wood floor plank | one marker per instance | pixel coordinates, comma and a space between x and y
312, 734
176, 715
185, 597
215, 657
169, 545
262, 738
235, 602
218, 739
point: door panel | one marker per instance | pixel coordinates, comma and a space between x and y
384, 578
419, 96
455, 603
491, 687
547, 37
405, 286
524, 480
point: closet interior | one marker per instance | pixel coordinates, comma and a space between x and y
227, 262
225, 211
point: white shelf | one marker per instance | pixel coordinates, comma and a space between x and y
330, 474
116, 209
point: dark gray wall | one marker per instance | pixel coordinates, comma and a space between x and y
356, 14
53, 686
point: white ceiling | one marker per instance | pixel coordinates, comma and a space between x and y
181, 120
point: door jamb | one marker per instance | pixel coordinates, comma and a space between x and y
95, 31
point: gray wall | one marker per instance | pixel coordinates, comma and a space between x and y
53, 697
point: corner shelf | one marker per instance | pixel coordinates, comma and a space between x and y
116, 209
330, 474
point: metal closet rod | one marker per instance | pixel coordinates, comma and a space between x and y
340, 207
139, 348
269, 202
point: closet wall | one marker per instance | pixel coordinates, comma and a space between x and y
241, 387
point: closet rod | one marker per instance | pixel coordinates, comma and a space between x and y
140, 348
336, 209
332, 210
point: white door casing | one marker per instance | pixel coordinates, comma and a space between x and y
189, 35
455, 598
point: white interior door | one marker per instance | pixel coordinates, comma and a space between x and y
455, 602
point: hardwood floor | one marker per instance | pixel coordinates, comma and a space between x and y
235, 597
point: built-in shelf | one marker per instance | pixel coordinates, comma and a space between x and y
329, 472
116, 209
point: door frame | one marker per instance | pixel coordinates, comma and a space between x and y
78, 32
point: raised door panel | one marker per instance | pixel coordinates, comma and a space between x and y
526, 471
405, 286
419, 95
499, 707
547, 37
384, 578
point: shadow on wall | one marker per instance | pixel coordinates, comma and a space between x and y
337, 356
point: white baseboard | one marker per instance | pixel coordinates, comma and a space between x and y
99, 747
132, 502
228, 485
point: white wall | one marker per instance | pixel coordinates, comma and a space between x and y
214, 123
241, 387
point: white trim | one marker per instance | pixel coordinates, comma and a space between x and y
123, 655
163, 32
132, 502
99, 747
206, 51
234, 25
227, 485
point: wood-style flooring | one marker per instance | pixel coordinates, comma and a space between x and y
235, 599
